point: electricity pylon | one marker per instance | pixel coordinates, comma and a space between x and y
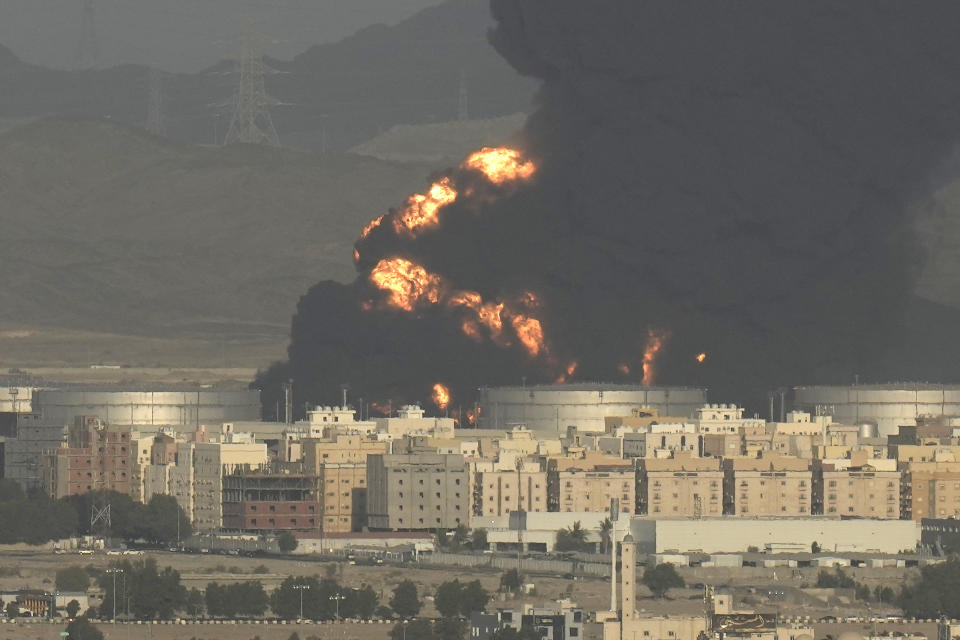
88, 50
155, 102
251, 122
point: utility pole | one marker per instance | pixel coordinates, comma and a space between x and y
463, 111
114, 571
155, 102
88, 49
301, 588
251, 122
337, 597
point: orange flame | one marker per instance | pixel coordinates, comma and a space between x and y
471, 416
701, 357
569, 371
500, 164
487, 313
356, 255
408, 284
655, 340
373, 224
624, 369
530, 333
420, 211
441, 395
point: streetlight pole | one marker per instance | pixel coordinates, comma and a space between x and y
114, 573
301, 588
337, 597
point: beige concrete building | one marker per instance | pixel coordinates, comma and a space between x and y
589, 484
857, 487
680, 486
417, 492
342, 490
499, 492
930, 490
410, 420
339, 448
769, 486
725, 418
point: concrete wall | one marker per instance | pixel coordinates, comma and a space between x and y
732, 535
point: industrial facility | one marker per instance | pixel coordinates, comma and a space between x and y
549, 409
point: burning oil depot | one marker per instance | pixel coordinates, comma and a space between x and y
549, 409
888, 406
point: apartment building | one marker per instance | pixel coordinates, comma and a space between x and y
772, 485
417, 491
680, 486
857, 487
340, 448
410, 420
725, 418
95, 457
589, 484
342, 491
500, 492
930, 490
270, 500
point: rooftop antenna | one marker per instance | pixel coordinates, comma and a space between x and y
155, 102
251, 122
88, 50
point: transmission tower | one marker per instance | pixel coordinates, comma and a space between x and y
155, 102
251, 122
88, 50
463, 112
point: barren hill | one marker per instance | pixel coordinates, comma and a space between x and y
106, 228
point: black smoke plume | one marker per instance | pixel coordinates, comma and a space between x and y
734, 173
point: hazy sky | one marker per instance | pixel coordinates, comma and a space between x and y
185, 35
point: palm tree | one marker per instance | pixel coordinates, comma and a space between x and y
606, 527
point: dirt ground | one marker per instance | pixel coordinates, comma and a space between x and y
247, 631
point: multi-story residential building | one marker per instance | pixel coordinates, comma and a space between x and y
342, 489
772, 485
95, 457
322, 421
680, 486
590, 484
930, 490
564, 621
410, 420
721, 445
23, 455
340, 448
661, 441
857, 487
500, 492
725, 418
270, 500
418, 491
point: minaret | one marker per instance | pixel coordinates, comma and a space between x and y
628, 570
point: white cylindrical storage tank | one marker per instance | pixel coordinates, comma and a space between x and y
550, 409
887, 405
148, 407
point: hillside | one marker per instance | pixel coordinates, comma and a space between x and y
109, 229
341, 93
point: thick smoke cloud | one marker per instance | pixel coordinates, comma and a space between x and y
734, 173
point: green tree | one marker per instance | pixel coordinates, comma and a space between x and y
287, 542
72, 578
195, 603
418, 629
478, 539
836, 580
606, 528
83, 629
473, 597
12, 609
661, 578
405, 602
936, 593
73, 608
359, 603
863, 592
573, 538
317, 605
510, 581
152, 594
294, 636
814, 547
448, 597
251, 600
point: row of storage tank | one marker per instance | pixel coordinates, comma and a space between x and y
545, 409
